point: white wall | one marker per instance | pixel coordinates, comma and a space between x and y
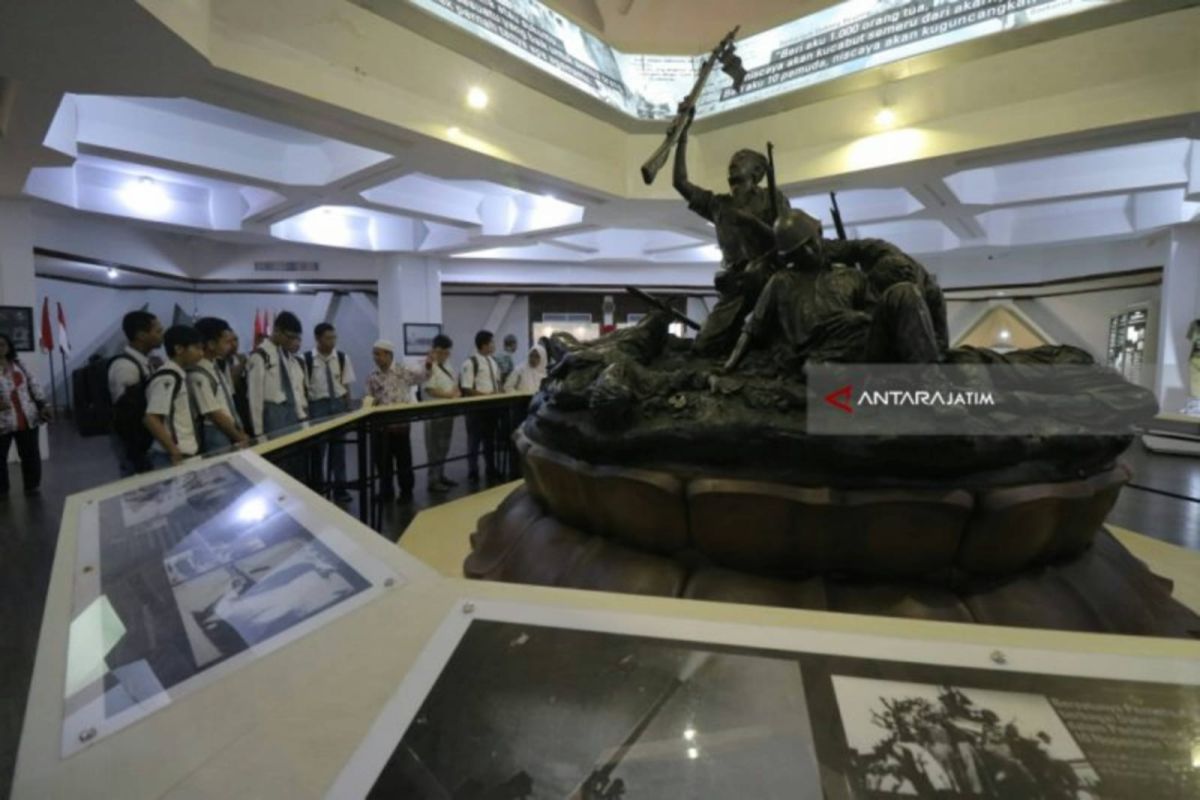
464, 315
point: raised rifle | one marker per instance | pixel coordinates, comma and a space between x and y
731, 65
771, 185
661, 306
837, 217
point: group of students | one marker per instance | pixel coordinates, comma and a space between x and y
206, 396
483, 373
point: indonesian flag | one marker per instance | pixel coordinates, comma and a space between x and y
257, 323
47, 338
64, 344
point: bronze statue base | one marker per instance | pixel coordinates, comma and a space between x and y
1030, 556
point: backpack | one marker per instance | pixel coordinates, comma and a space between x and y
93, 408
197, 426
129, 411
308, 364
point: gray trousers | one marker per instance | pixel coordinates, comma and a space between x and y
331, 459
438, 433
277, 416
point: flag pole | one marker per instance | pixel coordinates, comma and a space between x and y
47, 343
66, 385
53, 382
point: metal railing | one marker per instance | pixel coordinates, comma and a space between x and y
367, 435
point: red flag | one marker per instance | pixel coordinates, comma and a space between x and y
47, 340
257, 323
64, 344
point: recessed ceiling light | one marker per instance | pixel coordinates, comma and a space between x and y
292, 287
112, 273
690, 734
885, 117
1005, 335
693, 753
477, 98
146, 197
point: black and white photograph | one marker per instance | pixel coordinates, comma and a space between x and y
17, 323
940, 741
201, 567
418, 337
524, 711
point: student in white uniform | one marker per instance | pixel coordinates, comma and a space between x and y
330, 374
130, 369
478, 377
441, 385
170, 410
299, 380
270, 385
221, 426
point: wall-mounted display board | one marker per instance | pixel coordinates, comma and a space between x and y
843, 39
1127, 343
17, 322
180, 581
514, 701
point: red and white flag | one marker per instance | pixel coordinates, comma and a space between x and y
47, 338
257, 323
64, 343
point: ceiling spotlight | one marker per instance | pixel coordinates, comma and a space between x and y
693, 753
146, 197
690, 734
292, 287
112, 273
477, 98
885, 117
1005, 335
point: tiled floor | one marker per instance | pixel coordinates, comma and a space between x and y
1167, 507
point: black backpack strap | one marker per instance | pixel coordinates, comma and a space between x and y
474, 373
142, 376
266, 357
341, 366
308, 363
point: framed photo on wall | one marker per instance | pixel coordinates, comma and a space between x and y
17, 322
418, 337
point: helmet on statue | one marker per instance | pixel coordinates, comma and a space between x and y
794, 230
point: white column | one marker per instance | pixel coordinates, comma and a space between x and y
1180, 305
410, 290
18, 287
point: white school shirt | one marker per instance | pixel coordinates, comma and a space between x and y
263, 381
122, 374
318, 388
211, 391
488, 379
441, 379
158, 402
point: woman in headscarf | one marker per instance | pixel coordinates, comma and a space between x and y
528, 377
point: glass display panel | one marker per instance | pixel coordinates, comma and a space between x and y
514, 709
180, 581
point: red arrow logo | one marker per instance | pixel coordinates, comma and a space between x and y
840, 399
